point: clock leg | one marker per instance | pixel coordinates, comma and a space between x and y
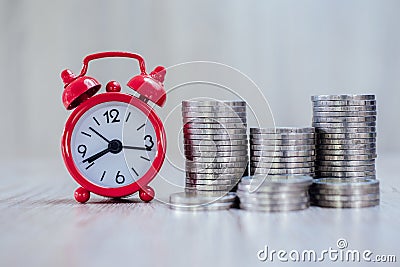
81, 195
146, 193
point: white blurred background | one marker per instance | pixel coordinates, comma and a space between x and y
291, 50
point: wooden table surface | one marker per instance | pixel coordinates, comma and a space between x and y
41, 225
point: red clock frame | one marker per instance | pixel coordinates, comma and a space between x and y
147, 177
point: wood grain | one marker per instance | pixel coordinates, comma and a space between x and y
41, 225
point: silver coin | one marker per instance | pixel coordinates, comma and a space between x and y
345, 168
349, 102
344, 124
344, 119
214, 131
342, 97
212, 207
344, 113
212, 150
217, 159
342, 198
283, 153
261, 159
215, 137
215, 142
278, 180
344, 191
346, 130
203, 176
214, 109
274, 208
282, 142
212, 103
262, 153
194, 125
344, 109
302, 171
274, 198
291, 136
345, 183
281, 130
211, 154
344, 157
346, 141
191, 184
214, 120
215, 145
340, 152
266, 201
282, 148
336, 136
210, 187
215, 165
282, 165
352, 146
282, 171
344, 174
211, 182
231, 183
216, 171
270, 189
214, 115
345, 163
198, 198
346, 204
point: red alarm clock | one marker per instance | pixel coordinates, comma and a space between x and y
113, 143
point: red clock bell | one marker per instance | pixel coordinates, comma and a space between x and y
113, 143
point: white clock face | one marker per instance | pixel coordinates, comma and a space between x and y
113, 144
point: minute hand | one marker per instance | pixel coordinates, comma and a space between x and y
137, 148
97, 155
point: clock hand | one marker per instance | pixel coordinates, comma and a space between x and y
114, 146
96, 132
137, 148
97, 155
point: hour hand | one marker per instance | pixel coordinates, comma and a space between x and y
97, 155
99, 134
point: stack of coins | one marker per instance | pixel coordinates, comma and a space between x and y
345, 135
200, 201
345, 192
279, 151
215, 144
274, 193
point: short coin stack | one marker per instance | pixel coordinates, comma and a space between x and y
282, 150
215, 145
345, 192
274, 193
345, 135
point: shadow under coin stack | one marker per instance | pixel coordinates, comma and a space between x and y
282, 150
345, 147
215, 147
273, 193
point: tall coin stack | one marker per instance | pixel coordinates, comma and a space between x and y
215, 147
346, 135
282, 150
